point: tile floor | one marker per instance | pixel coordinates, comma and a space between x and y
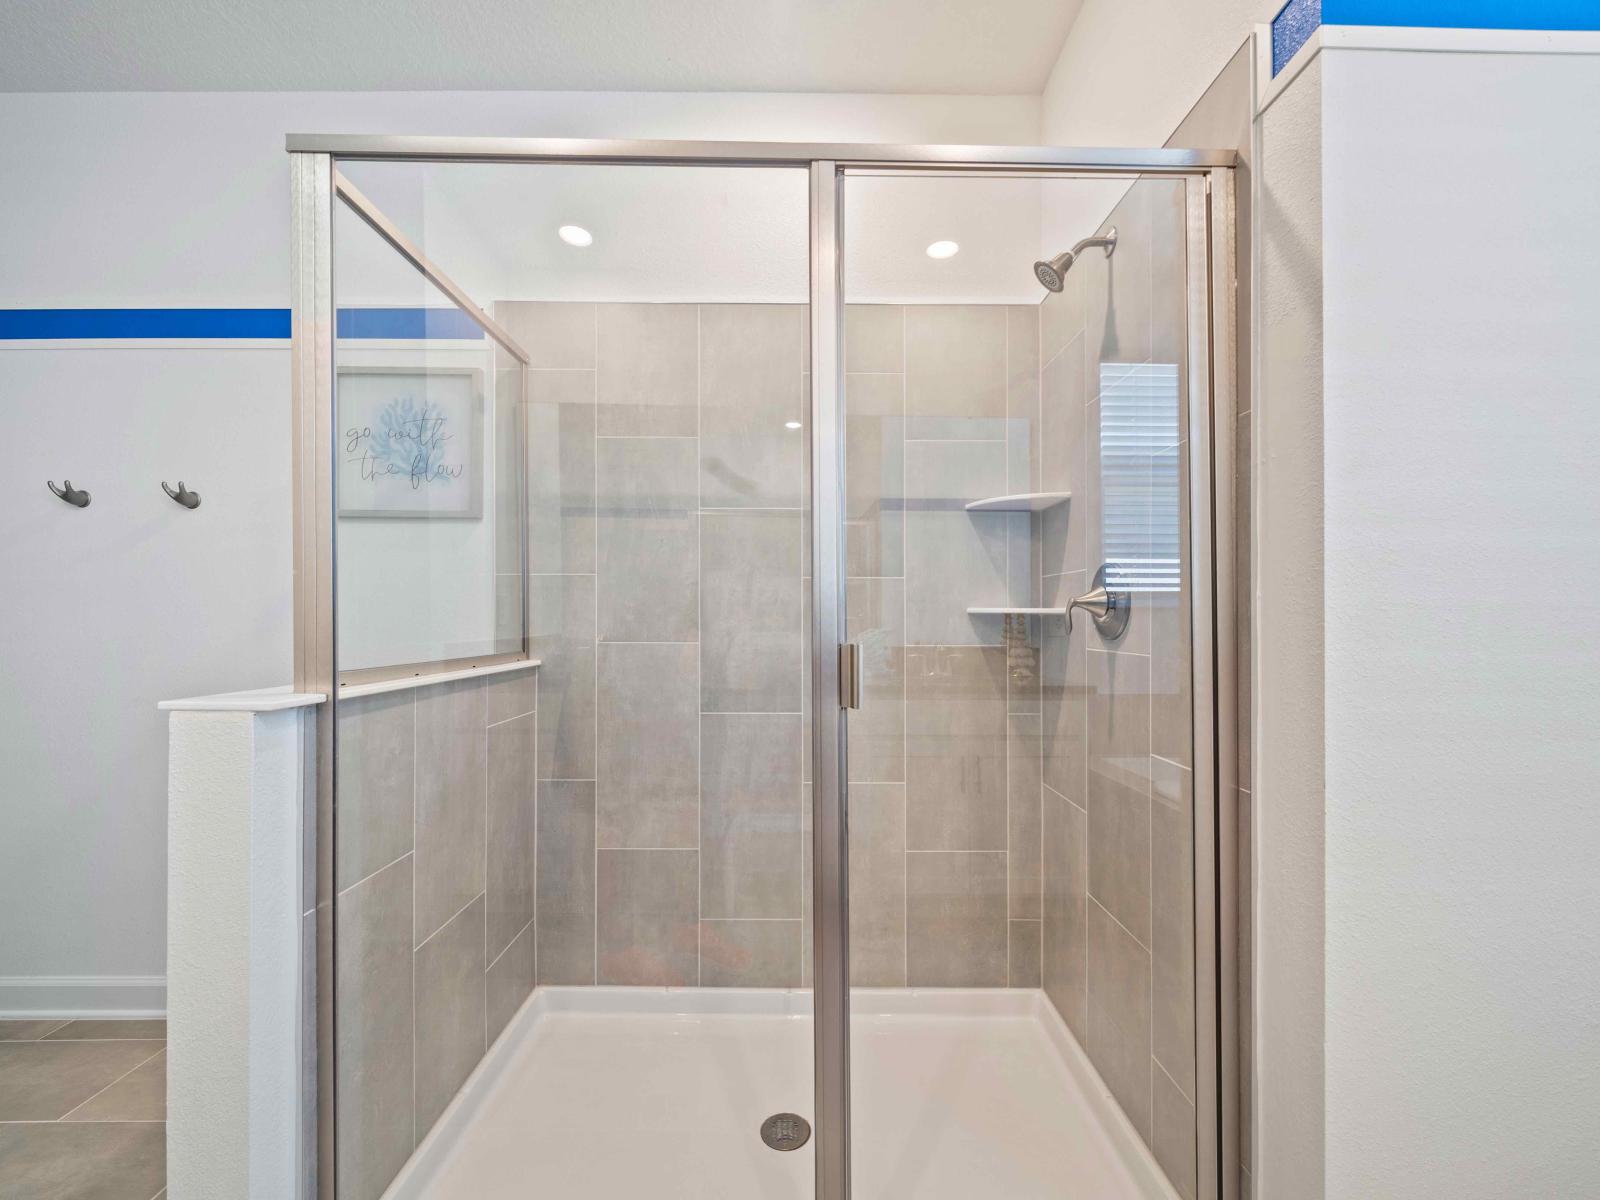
83, 1107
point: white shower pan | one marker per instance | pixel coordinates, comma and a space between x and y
625, 1093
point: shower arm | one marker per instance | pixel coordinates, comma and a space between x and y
1109, 241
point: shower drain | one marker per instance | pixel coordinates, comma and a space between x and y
786, 1131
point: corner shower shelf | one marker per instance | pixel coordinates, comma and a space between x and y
1020, 612
1027, 502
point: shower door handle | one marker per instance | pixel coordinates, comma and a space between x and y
849, 675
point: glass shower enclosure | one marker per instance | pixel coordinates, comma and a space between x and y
775, 667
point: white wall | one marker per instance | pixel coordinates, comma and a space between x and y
181, 200
1463, 632
1457, 889
1287, 637
1130, 69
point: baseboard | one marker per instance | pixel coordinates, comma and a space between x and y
60, 997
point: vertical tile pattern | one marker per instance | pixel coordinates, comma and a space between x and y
510, 846
566, 882
943, 407
507, 983
1172, 1134
372, 975
662, 451
956, 370
750, 570
752, 357
956, 927
874, 338
561, 471
1172, 922
375, 784
736, 953
452, 782
875, 455
647, 791
1024, 789
1027, 947
434, 951
750, 816
1118, 834
1119, 1015
648, 370
561, 614
556, 336
647, 539
956, 748
878, 884
451, 1033
648, 929
1119, 788
954, 559
1065, 968
876, 623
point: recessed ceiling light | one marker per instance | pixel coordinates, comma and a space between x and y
575, 235
791, 424
943, 250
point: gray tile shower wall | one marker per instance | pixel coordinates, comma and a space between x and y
666, 601
668, 605
942, 408
1116, 723
1020, 797
435, 878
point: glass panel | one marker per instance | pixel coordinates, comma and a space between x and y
600, 862
1021, 833
430, 468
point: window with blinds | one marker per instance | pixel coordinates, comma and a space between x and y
1139, 434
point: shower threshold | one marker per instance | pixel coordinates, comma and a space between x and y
623, 1093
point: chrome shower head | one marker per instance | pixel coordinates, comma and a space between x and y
1052, 272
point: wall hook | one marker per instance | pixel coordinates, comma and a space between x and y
183, 495
73, 496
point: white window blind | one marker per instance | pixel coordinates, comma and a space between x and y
1139, 476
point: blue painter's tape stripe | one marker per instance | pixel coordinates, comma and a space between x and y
1299, 19
50, 324
1292, 28
1466, 14
94, 324
406, 323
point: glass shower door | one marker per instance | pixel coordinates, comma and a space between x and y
571, 760
1021, 835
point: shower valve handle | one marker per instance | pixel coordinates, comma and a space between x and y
1109, 608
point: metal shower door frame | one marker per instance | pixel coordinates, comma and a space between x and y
1209, 174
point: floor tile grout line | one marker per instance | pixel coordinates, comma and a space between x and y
114, 1082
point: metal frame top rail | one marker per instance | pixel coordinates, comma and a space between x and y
847, 154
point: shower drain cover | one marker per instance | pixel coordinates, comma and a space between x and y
786, 1131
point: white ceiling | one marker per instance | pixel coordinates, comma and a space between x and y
969, 47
